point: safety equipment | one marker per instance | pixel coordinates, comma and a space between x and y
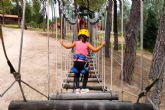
80, 57
83, 71
83, 32
86, 68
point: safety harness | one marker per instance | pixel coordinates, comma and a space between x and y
80, 57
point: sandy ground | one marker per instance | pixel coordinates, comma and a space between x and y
34, 69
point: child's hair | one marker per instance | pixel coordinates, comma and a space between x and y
83, 37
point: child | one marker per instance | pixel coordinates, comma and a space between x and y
81, 51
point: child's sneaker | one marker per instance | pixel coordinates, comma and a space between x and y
85, 90
77, 91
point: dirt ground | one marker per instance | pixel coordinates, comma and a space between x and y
34, 69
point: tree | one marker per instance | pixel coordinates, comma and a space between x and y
6, 7
3, 19
130, 40
151, 30
94, 5
108, 28
115, 26
157, 61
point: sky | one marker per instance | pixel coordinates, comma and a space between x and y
56, 11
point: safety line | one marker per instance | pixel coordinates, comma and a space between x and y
1, 95
48, 43
112, 43
122, 47
142, 51
21, 46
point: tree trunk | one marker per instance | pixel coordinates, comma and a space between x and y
115, 26
44, 20
108, 28
158, 57
120, 4
130, 40
91, 32
3, 11
75, 4
63, 27
18, 13
61, 19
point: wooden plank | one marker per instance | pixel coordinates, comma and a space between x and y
77, 105
86, 96
70, 86
90, 76
89, 80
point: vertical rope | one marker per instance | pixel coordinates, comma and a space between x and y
65, 58
56, 54
122, 47
48, 47
141, 37
22, 34
112, 35
96, 43
98, 52
21, 46
104, 52
62, 49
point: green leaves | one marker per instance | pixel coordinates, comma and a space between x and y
94, 5
6, 4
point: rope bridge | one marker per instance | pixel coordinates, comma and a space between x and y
99, 98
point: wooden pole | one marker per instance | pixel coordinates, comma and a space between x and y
89, 80
87, 96
70, 86
77, 105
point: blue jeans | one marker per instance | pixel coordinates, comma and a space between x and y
80, 66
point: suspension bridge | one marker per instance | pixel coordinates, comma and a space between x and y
100, 96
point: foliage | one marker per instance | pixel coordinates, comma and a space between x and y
7, 6
152, 13
36, 15
151, 30
94, 5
